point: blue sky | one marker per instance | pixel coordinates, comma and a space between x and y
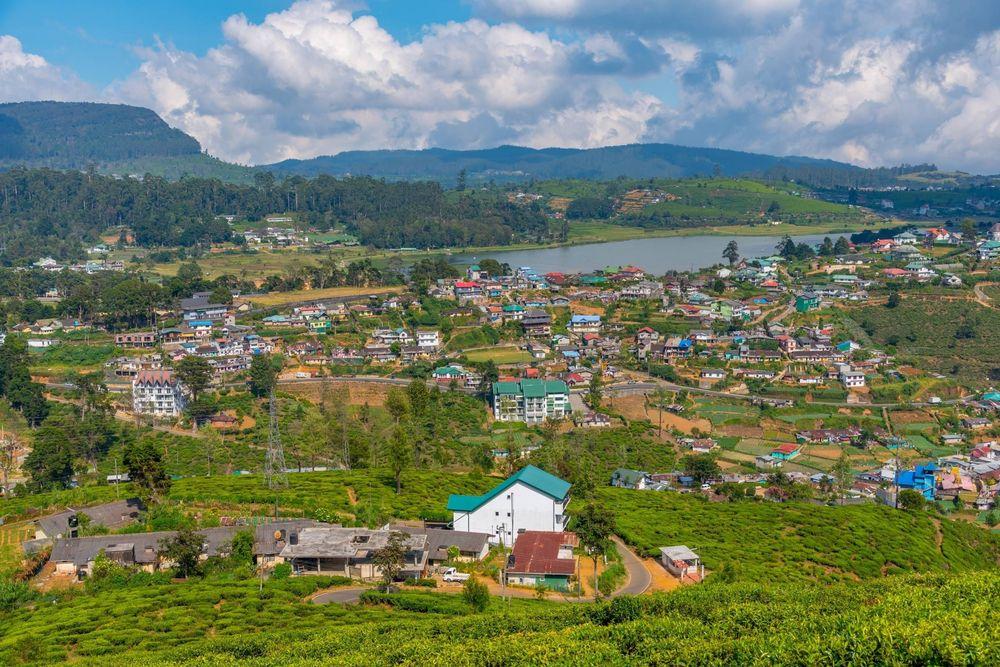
97, 39
872, 82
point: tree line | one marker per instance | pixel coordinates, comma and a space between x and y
49, 212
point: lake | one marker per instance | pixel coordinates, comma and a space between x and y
656, 254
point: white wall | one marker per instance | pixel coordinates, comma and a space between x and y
520, 508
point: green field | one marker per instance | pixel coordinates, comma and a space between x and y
500, 355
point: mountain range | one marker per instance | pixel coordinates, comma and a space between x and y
122, 139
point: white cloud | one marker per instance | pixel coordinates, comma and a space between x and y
26, 76
315, 79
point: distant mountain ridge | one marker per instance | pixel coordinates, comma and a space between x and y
74, 134
514, 163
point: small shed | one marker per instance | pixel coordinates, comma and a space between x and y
682, 562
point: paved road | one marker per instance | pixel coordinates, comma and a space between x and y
652, 384
639, 578
340, 595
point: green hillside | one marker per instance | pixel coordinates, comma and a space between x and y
764, 541
74, 134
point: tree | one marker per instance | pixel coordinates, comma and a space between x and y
893, 300
731, 252
461, 181
263, 375
194, 373
184, 550
594, 527
241, 548
786, 246
826, 248
50, 463
221, 294
843, 475
841, 247
396, 404
146, 470
390, 559
400, 454
968, 231
594, 392
476, 594
910, 499
701, 467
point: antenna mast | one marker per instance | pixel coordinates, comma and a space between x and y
274, 462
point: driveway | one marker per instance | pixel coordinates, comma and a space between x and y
638, 576
340, 596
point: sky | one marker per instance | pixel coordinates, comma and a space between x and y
872, 82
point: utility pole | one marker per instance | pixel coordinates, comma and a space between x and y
118, 480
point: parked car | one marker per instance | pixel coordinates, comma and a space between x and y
451, 574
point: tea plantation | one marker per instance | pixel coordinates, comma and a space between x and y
764, 541
906, 620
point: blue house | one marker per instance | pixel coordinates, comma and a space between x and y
921, 479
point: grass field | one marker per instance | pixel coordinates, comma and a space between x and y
500, 355
282, 298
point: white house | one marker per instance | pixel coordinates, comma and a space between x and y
851, 379
158, 393
531, 499
428, 339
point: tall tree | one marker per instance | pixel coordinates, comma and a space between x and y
595, 390
146, 470
390, 559
594, 526
263, 375
195, 373
400, 453
731, 252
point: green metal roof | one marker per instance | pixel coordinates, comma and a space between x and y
531, 476
530, 388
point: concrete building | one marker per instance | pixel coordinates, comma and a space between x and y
158, 393
530, 401
531, 499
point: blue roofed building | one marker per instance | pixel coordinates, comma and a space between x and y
921, 479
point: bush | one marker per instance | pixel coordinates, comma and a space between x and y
282, 571
425, 583
476, 594
13, 594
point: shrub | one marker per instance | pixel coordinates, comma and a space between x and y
14, 593
425, 583
282, 571
476, 594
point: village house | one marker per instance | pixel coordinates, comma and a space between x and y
582, 324
349, 552
543, 559
529, 500
624, 478
536, 323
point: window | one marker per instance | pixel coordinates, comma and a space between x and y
497, 513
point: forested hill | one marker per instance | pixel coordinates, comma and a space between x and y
75, 134
515, 163
47, 212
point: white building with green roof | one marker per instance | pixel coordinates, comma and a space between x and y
530, 401
531, 499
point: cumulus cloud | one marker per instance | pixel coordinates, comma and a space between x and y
26, 76
316, 79
873, 82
